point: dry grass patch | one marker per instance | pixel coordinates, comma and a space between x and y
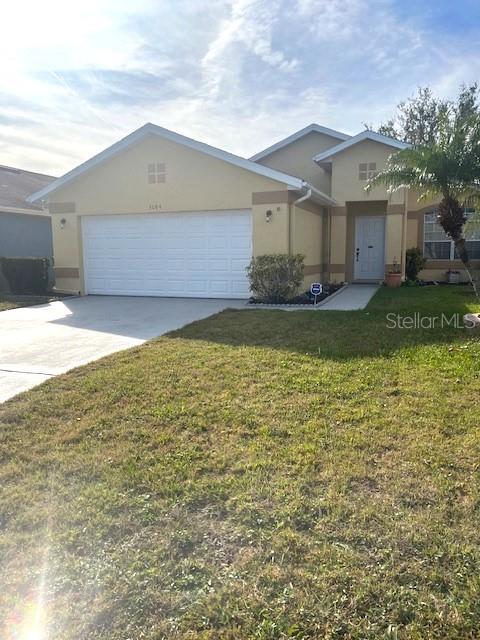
8, 301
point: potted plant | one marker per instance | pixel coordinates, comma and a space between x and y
453, 277
393, 277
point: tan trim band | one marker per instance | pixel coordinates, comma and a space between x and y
66, 272
337, 268
395, 209
311, 207
422, 211
62, 207
271, 197
312, 268
415, 215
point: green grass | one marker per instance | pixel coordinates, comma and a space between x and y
259, 474
8, 301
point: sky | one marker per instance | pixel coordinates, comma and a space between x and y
237, 74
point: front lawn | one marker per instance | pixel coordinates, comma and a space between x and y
10, 301
259, 474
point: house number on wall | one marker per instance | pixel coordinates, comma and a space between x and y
154, 206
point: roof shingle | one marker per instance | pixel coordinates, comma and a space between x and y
16, 185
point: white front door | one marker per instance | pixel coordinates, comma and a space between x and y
201, 254
369, 248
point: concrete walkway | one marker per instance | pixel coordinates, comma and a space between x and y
39, 342
351, 298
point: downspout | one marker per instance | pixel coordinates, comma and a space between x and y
291, 220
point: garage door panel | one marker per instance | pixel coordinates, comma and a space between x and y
219, 287
196, 265
240, 288
217, 264
197, 254
238, 264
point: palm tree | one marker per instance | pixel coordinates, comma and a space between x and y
450, 169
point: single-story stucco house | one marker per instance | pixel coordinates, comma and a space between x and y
25, 227
161, 214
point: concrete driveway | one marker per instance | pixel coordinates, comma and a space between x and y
39, 342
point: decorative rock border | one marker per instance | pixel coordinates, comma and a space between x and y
294, 307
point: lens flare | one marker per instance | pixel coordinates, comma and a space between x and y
29, 621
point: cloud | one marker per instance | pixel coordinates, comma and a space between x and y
332, 18
238, 74
244, 38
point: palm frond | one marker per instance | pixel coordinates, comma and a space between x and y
408, 168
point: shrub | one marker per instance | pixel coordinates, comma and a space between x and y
275, 278
414, 263
26, 275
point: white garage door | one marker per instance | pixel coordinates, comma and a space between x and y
197, 254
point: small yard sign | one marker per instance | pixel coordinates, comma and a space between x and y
316, 289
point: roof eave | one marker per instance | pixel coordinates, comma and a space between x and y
24, 211
317, 195
327, 156
297, 136
322, 198
149, 128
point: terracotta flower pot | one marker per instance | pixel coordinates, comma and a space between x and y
393, 279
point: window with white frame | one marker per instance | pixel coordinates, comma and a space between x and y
367, 170
156, 172
438, 246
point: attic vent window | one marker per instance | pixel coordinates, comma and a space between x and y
367, 170
156, 172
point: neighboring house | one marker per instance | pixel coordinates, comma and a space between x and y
161, 214
25, 228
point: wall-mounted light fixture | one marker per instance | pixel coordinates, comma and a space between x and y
63, 222
268, 215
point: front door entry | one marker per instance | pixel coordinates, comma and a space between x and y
369, 248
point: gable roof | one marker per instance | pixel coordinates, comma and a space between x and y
152, 129
326, 156
16, 185
296, 136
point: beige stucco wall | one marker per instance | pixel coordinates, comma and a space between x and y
346, 185
412, 233
440, 275
414, 204
194, 182
291, 229
272, 236
338, 244
307, 235
307, 238
296, 159
393, 239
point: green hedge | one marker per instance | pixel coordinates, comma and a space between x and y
415, 262
26, 275
275, 277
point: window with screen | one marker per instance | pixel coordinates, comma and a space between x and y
438, 246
